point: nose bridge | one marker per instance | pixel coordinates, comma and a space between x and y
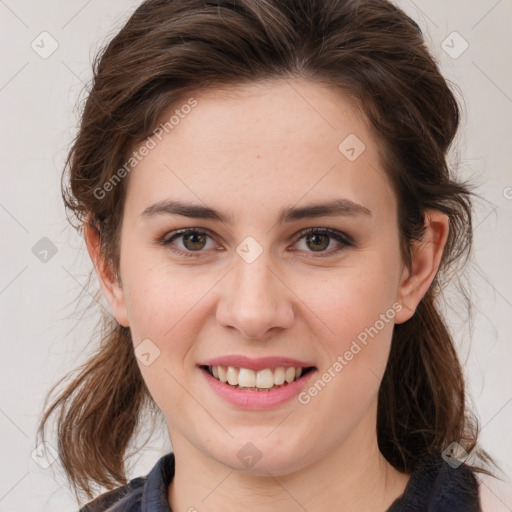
255, 299
255, 283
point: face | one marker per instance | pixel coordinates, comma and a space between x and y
250, 276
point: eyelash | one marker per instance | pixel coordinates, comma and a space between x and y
340, 237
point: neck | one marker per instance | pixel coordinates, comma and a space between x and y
353, 476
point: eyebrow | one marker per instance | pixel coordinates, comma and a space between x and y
336, 207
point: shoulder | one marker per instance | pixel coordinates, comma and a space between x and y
437, 486
123, 499
141, 494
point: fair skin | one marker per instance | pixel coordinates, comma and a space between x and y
249, 155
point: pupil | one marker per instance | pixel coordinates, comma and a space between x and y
190, 238
315, 237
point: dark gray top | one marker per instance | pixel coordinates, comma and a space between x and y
435, 487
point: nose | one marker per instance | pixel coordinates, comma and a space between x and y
255, 300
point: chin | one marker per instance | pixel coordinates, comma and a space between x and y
259, 455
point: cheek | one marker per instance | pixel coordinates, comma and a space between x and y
164, 305
355, 318
354, 312
160, 299
350, 301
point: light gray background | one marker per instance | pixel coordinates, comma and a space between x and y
43, 332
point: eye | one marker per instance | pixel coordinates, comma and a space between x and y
192, 240
319, 239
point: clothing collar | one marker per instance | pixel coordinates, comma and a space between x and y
155, 492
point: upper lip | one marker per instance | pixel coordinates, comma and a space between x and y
257, 363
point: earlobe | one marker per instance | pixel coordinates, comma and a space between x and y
110, 286
426, 257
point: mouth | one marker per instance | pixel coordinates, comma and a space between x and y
264, 380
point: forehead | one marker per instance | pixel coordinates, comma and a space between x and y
268, 143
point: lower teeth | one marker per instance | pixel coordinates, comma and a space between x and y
254, 389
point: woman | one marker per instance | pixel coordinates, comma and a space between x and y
264, 193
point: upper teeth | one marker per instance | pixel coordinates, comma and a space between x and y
246, 378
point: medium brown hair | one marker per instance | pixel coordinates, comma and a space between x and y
367, 49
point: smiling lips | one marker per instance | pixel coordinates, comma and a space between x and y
264, 374
245, 378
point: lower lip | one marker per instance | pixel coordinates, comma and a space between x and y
257, 399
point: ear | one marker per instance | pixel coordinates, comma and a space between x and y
110, 286
425, 259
